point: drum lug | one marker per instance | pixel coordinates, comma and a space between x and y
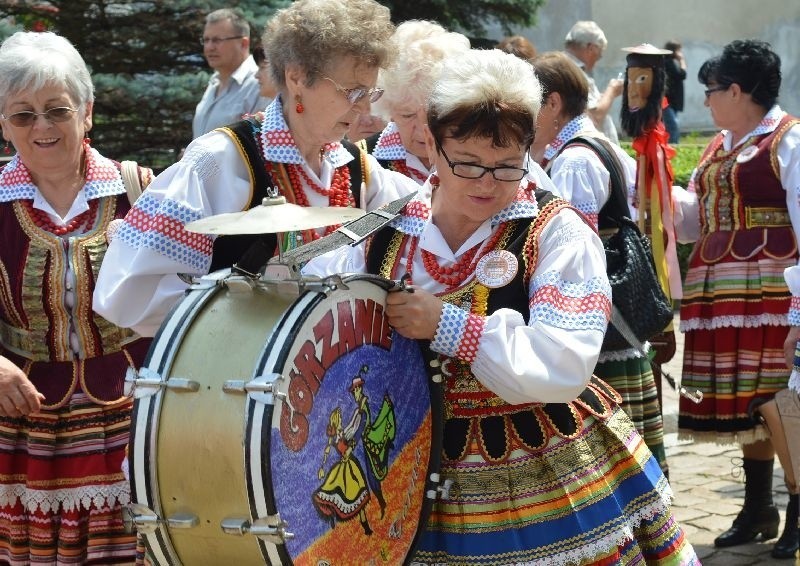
147, 522
147, 382
269, 529
441, 491
183, 521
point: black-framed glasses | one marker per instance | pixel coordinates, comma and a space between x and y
217, 40
353, 95
709, 91
28, 117
473, 171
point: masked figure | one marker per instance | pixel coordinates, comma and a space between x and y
642, 103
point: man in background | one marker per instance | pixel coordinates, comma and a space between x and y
675, 66
233, 89
585, 44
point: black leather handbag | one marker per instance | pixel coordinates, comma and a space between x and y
640, 308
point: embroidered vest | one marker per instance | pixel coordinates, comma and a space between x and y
37, 332
742, 202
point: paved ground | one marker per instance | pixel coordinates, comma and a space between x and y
708, 486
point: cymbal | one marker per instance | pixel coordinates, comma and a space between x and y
274, 215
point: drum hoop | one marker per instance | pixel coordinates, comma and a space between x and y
257, 460
159, 359
259, 419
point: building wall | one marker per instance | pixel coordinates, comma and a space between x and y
702, 26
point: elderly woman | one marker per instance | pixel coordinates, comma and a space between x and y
510, 291
422, 48
582, 178
324, 56
737, 311
63, 420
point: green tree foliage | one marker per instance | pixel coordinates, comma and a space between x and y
468, 16
147, 63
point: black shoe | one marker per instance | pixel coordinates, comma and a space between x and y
787, 545
748, 525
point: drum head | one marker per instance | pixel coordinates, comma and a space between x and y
350, 432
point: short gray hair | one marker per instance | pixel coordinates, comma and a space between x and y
487, 93
32, 60
314, 33
422, 48
586, 32
237, 19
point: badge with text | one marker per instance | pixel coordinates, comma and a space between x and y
497, 268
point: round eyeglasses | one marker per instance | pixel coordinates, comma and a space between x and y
28, 117
353, 95
473, 171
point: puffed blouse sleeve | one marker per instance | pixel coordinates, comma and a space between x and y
789, 166
138, 281
551, 357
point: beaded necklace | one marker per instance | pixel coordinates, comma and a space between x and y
401, 166
291, 186
43, 221
338, 195
454, 276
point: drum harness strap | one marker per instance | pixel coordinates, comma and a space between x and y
351, 233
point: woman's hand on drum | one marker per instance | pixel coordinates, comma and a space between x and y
18, 396
790, 345
415, 314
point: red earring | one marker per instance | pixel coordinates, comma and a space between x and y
298, 106
7, 150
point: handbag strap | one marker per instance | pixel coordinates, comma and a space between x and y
614, 210
616, 207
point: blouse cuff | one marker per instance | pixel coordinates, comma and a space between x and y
458, 333
794, 311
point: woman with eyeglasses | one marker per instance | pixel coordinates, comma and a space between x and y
509, 292
741, 296
64, 421
581, 177
324, 56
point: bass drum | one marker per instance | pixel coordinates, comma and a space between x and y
284, 423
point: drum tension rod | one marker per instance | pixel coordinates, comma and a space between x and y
270, 529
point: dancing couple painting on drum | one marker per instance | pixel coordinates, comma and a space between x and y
345, 491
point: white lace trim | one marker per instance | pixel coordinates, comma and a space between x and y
51, 501
622, 355
755, 434
734, 322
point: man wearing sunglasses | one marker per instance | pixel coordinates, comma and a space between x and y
233, 89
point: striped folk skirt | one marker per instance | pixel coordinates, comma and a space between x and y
589, 493
62, 488
732, 367
634, 381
